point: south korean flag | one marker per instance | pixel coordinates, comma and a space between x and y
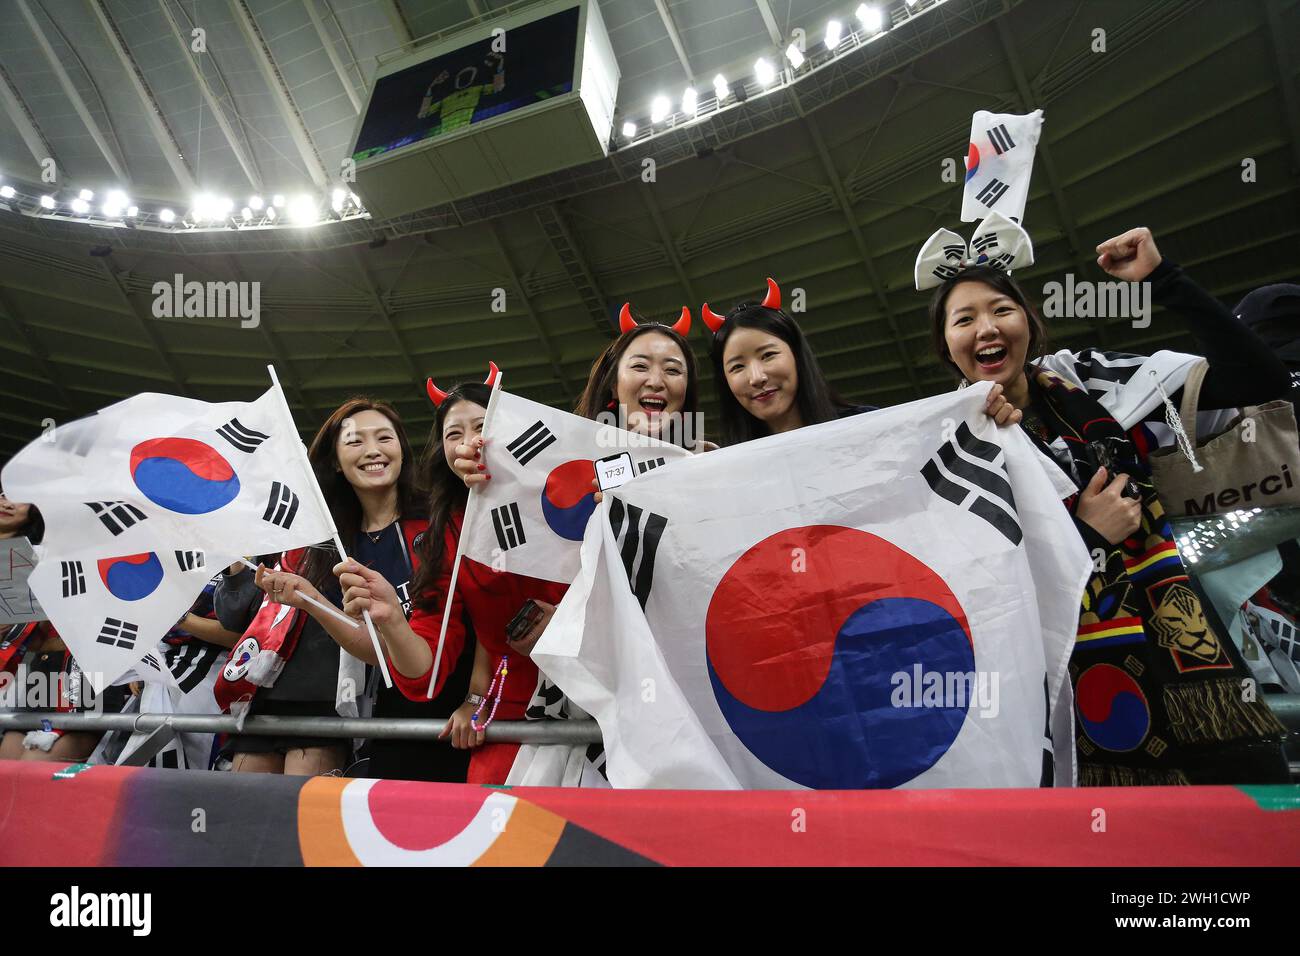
530, 518
112, 610
999, 163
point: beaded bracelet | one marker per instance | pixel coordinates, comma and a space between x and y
502, 670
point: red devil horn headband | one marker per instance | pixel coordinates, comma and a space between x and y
438, 396
770, 301
626, 323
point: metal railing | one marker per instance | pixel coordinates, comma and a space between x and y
573, 732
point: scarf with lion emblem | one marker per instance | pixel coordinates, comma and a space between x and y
1161, 696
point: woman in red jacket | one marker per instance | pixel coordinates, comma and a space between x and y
647, 375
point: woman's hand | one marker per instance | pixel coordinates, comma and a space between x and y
1106, 510
286, 588
525, 644
600, 495
1132, 256
1000, 410
469, 462
458, 727
365, 589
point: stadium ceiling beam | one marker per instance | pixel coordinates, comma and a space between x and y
765, 9
670, 249
18, 111
361, 77
864, 253
40, 355
280, 92
387, 317
676, 37
547, 345
150, 333
574, 261
335, 60
162, 133
1282, 56
475, 10
1027, 98
401, 26
284, 367
70, 90
246, 160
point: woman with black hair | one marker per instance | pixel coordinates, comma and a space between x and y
481, 607
364, 464
772, 380
1144, 645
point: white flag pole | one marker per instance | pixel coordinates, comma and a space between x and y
310, 473
470, 513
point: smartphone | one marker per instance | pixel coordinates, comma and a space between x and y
1107, 454
523, 621
614, 471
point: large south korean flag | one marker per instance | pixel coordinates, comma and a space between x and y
530, 517
888, 600
999, 164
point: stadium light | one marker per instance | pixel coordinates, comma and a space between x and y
85, 195
871, 18
303, 211
255, 202
659, 108
764, 72
6, 192
794, 55
47, 202
278, 200
720, 88
834, 30
629, 130
166, 215
690, 101
80, 206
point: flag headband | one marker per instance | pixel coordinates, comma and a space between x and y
997, 242
770, 301
626, 323
438, 396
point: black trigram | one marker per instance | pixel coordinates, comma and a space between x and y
1000, 139
993, 501
150, 661
74, 578
643, 466
508, 526
76, 438
954, 251
190, 662
944, 272
1002, 261
241, 436
992, 192
638, 533
982, 243
189, 560
282, 507
530, 444
117, 633
116, 516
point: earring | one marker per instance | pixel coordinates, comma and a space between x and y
962, 384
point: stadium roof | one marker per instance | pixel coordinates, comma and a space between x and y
829, 184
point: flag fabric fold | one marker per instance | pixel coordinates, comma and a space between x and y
889, 600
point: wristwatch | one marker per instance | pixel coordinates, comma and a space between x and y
474, 699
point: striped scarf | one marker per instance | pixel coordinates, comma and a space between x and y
1161, 696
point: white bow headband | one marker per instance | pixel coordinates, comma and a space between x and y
997, 242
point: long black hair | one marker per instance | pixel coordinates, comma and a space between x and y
447, 494
1001, 282
33, 529
816, 400
340, 496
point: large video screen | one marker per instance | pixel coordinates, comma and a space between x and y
471, 84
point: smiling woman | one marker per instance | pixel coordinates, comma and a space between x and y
767, 376
365, 468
